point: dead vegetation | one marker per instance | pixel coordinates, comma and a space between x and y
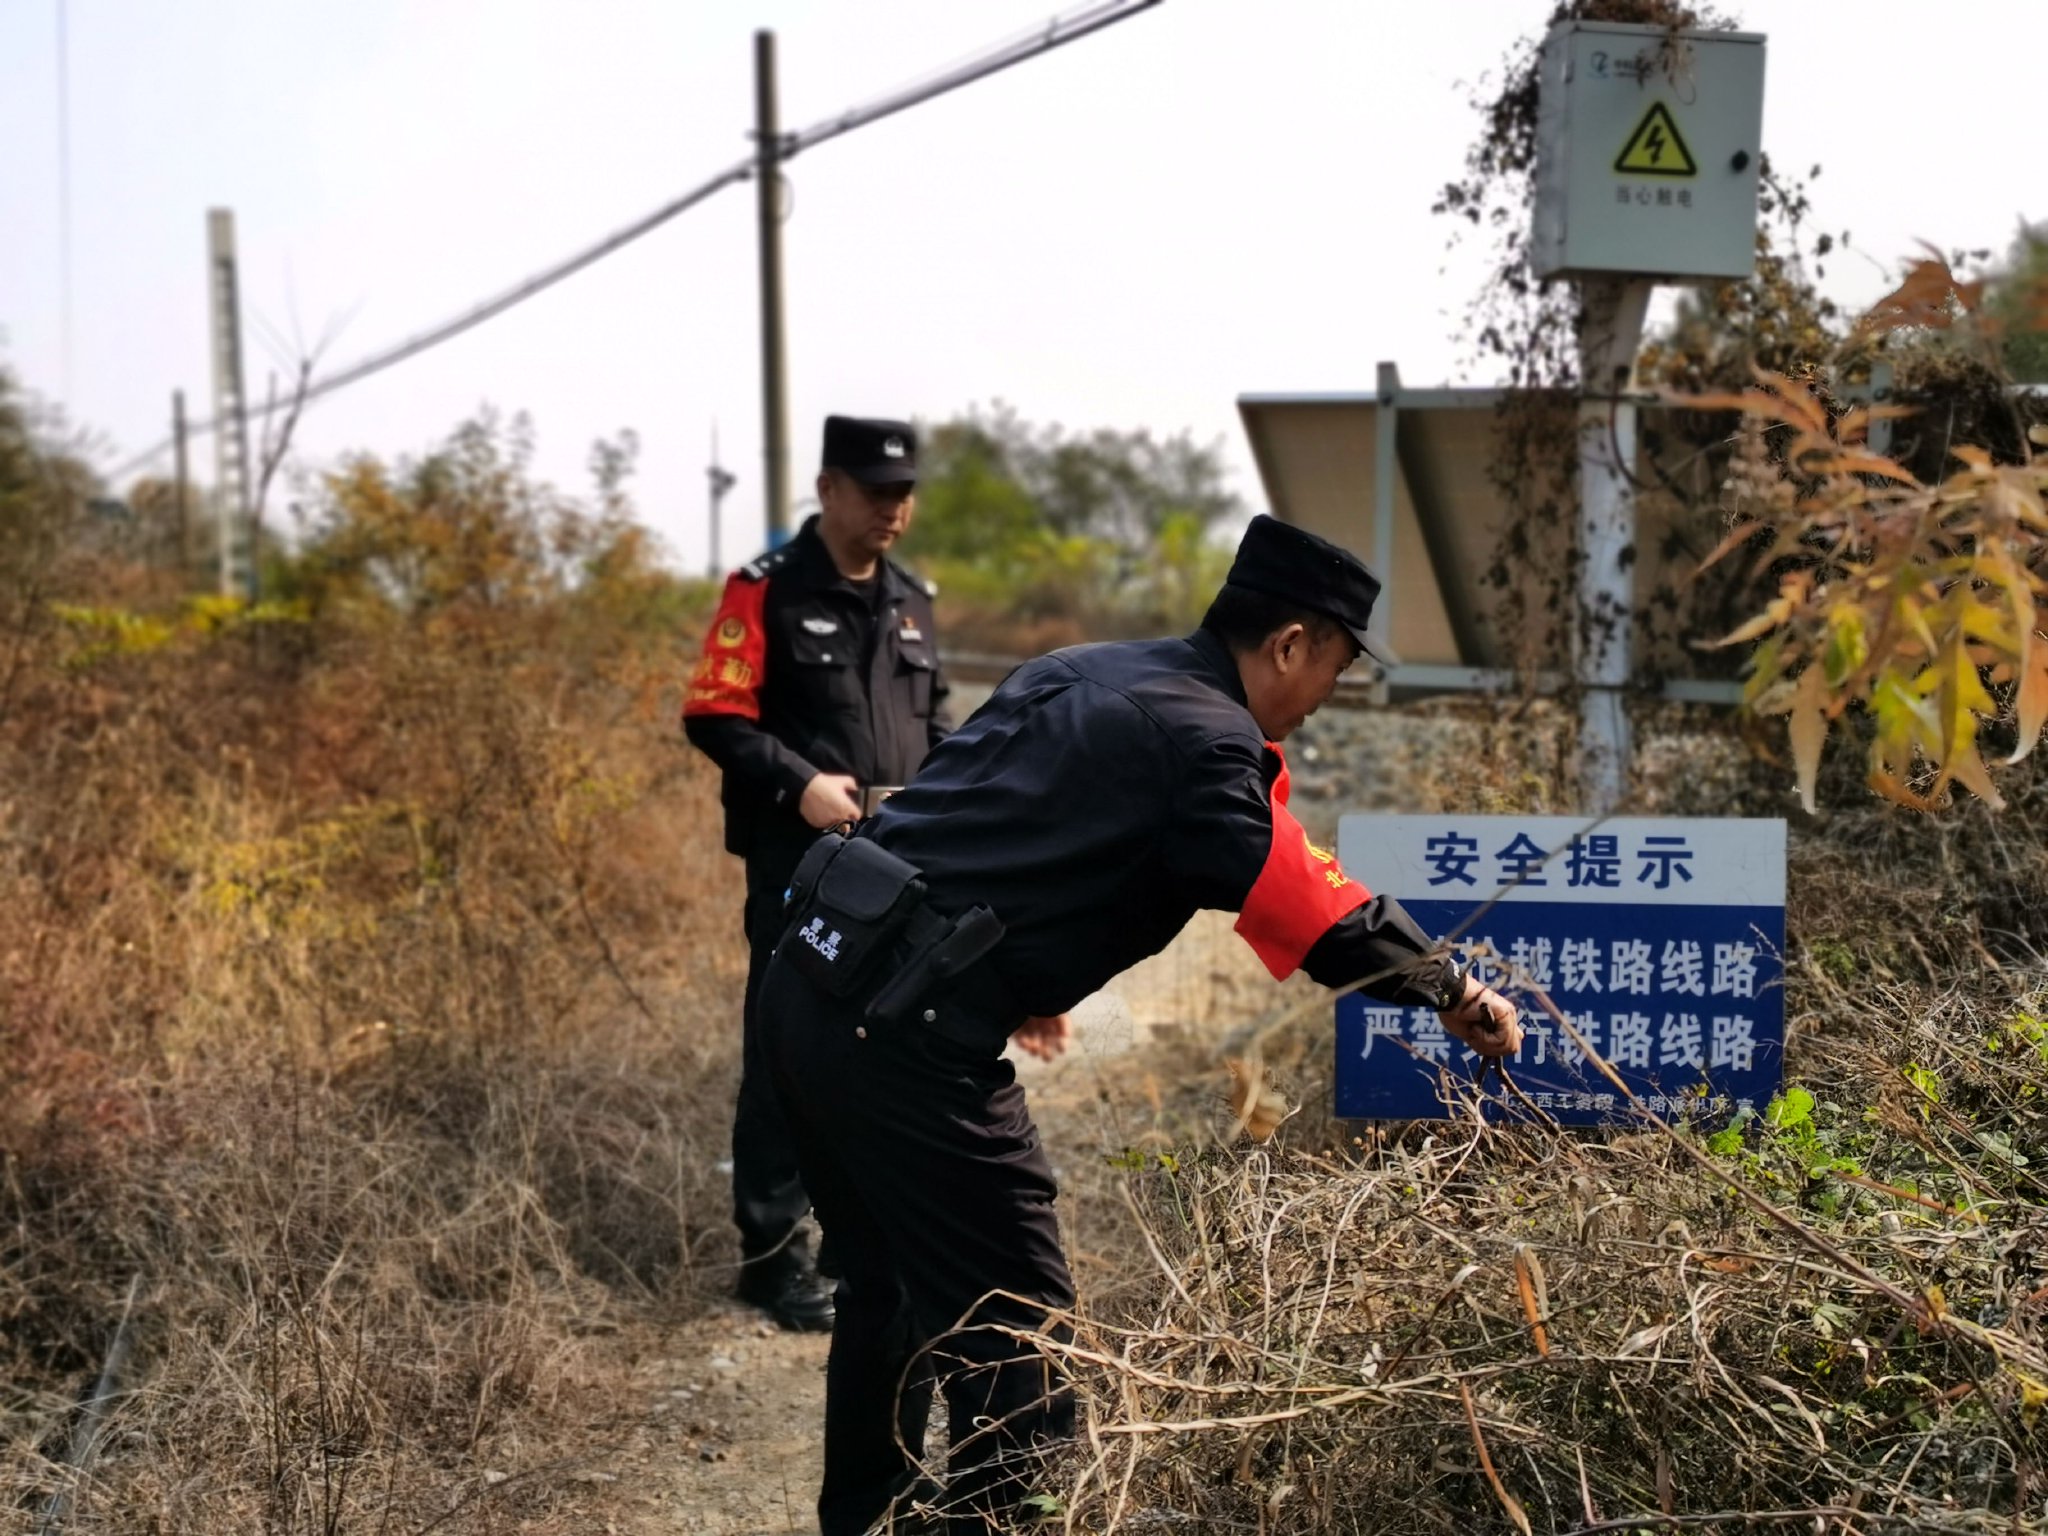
358, 958
1828, 1318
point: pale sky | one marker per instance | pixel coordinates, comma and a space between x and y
1211, 198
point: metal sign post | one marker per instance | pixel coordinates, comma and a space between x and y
1610, 330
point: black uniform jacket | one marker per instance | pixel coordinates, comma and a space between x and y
1104, 795
803, 674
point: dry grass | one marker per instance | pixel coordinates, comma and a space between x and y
365, 1011
1833, 1324
366, 1053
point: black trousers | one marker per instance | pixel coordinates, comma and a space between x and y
768, 1199
933, 1190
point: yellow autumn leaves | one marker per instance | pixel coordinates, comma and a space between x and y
1257, 1106
1917, 605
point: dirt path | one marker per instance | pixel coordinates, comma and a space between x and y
731, 1440
726, 1413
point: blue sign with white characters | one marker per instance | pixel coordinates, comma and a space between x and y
1661, 940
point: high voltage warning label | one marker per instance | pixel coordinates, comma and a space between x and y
1656, 148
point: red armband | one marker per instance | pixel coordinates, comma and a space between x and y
1300, 894
727, 679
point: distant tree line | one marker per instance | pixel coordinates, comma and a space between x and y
1097, 532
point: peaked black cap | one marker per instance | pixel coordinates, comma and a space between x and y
1285, 561
873, 451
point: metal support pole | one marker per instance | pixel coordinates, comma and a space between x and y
768, 207
1610, 331
181, 485
259, 490
1879, 438
1386, 475
722, 480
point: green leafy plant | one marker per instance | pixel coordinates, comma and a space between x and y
1928, 1086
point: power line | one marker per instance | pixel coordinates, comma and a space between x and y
412, 346
1064, 28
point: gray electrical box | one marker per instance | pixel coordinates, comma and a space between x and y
1648, 144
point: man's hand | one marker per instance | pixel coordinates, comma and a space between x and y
829, 799
1485, 1020
1046, 1038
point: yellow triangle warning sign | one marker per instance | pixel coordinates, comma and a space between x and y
1656, 148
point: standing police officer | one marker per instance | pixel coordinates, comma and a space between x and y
819, 685
1068, 830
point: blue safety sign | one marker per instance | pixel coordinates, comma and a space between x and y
1660, 940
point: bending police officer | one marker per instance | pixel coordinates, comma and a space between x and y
819, 682
1068, 830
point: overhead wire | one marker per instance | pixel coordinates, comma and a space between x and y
1064, 28
470, 318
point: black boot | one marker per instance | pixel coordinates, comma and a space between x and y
790, 1292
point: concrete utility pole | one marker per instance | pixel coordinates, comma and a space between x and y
722, 480
230, 409
768, 207
1611, 316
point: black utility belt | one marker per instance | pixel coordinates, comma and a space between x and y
859, 925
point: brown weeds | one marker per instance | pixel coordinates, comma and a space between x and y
1833, 1319
363, 994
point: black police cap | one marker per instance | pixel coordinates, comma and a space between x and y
873, 452
1285, 561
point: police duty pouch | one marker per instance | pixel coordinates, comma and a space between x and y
849, 901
